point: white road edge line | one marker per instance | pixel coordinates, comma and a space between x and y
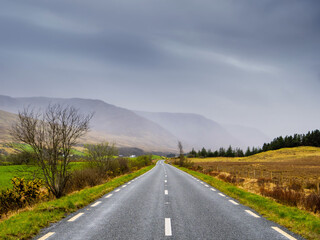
222, 195
206, 185
96, 204
212, 189
167, 227
252, 214
124, 186
283, 233
46, 236
117, 190
109, 195
233, 202
166, 192
75, 217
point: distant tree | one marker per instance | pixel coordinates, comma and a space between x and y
181, 154
229, 152
203, 152
248, 152
193, 153
101, 156
51, 134
222, 152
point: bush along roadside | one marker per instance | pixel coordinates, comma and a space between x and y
28, 223
296, 220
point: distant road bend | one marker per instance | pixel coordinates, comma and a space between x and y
165, 203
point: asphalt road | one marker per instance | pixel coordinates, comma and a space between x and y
165, 203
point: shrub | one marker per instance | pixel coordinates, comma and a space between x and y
312, 202
22, 194
287, 196
82, 178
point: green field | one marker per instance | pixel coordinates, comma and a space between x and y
8, 172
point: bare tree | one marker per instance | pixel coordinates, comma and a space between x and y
52, 134
101, 155
181, 155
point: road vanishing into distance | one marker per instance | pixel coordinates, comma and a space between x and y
165, 203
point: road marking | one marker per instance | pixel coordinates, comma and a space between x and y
117, 190
212, 189
202, 182
108, 196
124, 186
222, 195
96, 204
129, 182
166, 192
165, 175
252, 214
75, 217
235, 203
46, 236
198, 180
283, 233
167, 227
206, 185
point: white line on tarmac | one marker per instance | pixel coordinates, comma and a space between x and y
167, 227
198, 180
75, 217
222, 195
166, 192
109, 195
212, 189
165, 180
165, 175
96, 204
129, 182
124, 186
46, 236
233, 202
117, 190
206, 185
252, 214
283, 233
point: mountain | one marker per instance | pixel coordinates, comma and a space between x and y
110, 123
193, 130
6, 121
156, 132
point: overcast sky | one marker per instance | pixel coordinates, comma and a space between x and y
251, 62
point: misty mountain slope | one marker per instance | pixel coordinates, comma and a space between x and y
110, 123
6, 121
194, 130
250, 136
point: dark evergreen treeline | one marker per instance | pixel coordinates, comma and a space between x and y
310, 139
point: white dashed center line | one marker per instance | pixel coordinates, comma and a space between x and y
108, 196
46, 236
283, 233
165, 180
252, 214
75, 217
233, 202
96, 204
166, 192
167, 227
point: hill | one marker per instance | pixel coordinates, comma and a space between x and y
193, 129
110, 123
302, 154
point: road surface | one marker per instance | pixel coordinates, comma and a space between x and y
165, 203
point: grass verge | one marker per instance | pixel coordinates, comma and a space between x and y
28, 223
296, 220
